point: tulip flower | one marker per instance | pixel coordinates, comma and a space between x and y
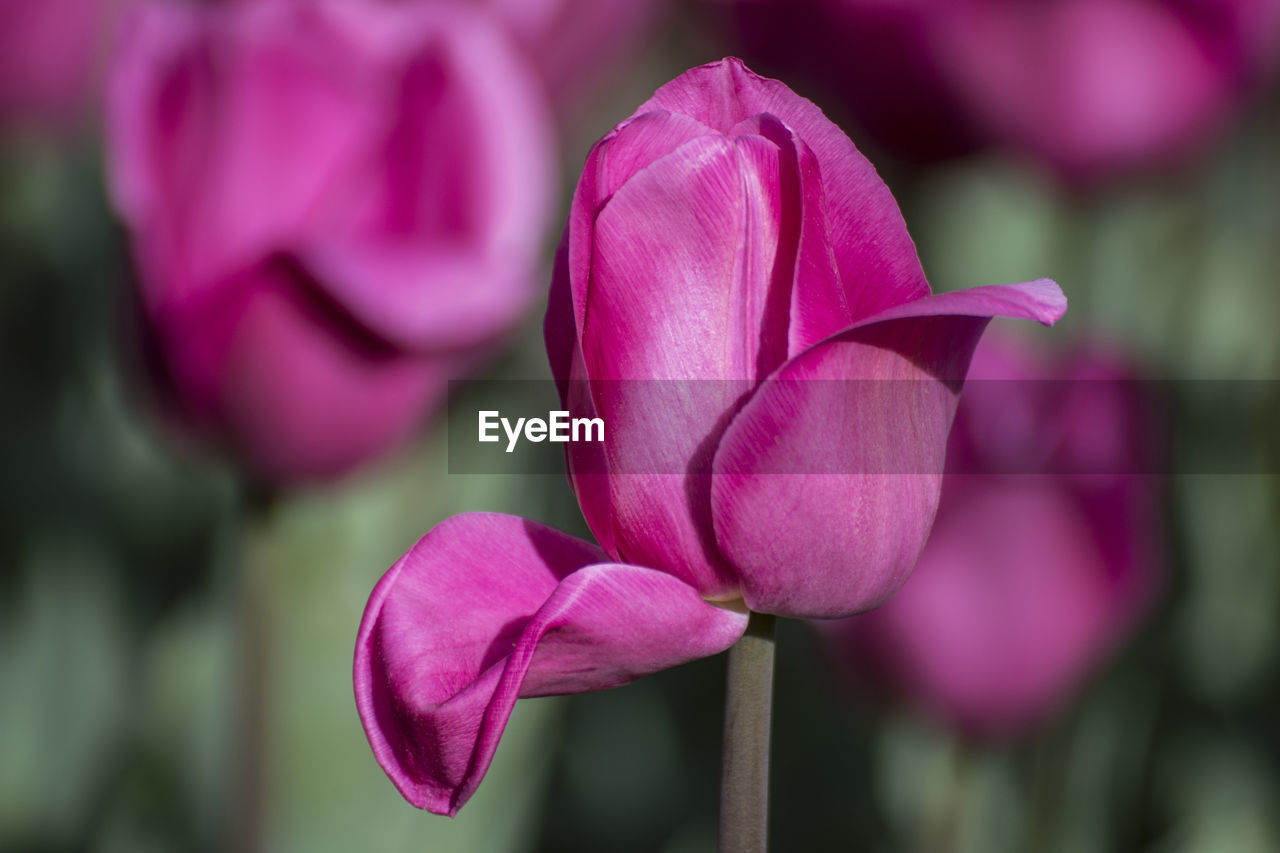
1043, 554
334, 208
727, 237
1093, 88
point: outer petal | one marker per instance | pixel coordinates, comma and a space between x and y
683, 279
487, 608
585, 460
875, 255
622, 152
850, 436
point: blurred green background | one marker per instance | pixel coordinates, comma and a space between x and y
120, 640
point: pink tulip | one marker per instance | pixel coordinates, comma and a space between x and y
1027, 582
334, 209
1091, 87
727, 231
50, 54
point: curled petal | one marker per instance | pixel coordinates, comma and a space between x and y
488, 608
850, 437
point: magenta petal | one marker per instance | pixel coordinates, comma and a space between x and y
850, 436
206, 108
682, 265
875, 255
487, 608
1040, 300
422, 299
448, 224
682, 276
585, 460
621, 153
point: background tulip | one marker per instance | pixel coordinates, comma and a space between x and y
729, 232
334, 208
573, 42
1090, 87
1044, 552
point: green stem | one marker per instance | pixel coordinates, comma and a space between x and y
744, 780
253, 594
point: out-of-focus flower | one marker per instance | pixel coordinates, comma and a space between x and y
50, 55
571, 42
334, 207
737, 297
1092, 87
1044, 552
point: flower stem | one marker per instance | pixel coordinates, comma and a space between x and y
254, 594
744, 779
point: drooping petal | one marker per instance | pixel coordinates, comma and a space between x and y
487, 608
849, 439
875, 255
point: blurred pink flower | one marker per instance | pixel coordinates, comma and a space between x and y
572, 42
334, 208
1044, 552
728, 247
1092, 87
51, 52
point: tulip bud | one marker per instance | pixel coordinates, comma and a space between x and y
737, 297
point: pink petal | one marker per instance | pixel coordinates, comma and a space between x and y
1040, 300
1009, 608
850, 436
449, 229
683, 275
684, 264
875, 255
298, 389
622, 152
207, 107
423, 299
585, 460
487, 608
